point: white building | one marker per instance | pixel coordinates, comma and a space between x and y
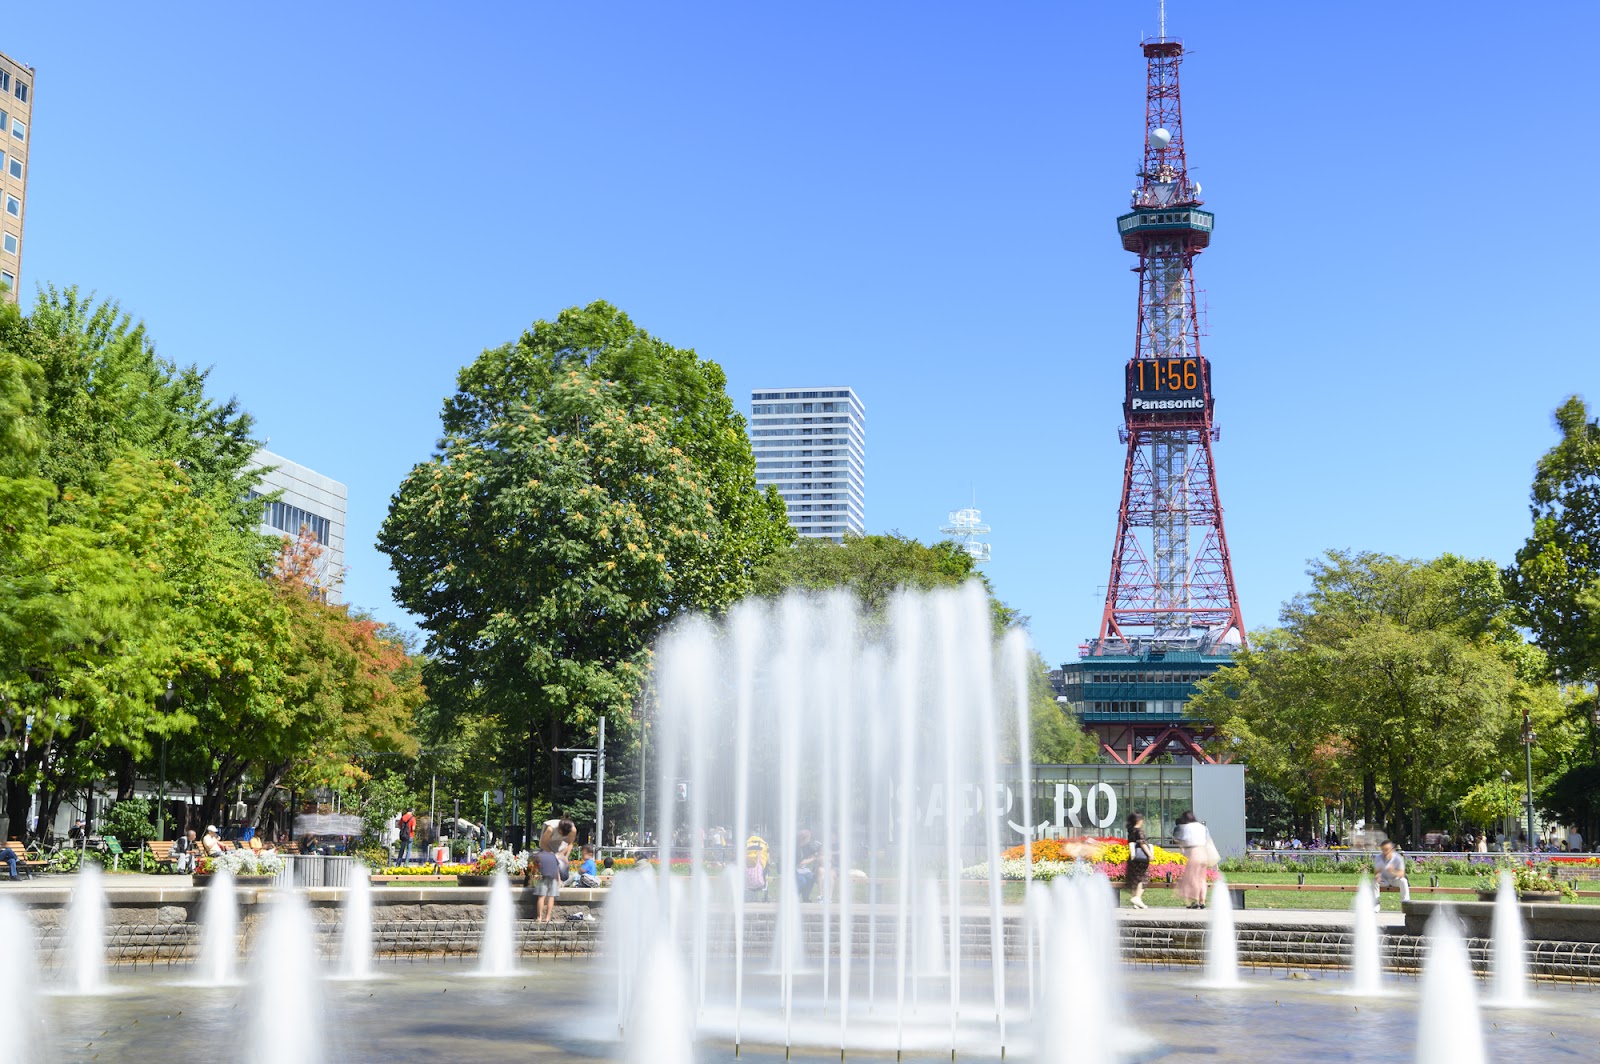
811, 443
307, 499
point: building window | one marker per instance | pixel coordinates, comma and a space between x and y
16, 167
13, 206
19, 130
22, 90
5, 81
2, 121
10, 244
8, 280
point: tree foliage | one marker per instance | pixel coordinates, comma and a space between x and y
1556, 579
592, 483
132, 601
1400, 682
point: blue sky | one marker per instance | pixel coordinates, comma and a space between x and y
338, 205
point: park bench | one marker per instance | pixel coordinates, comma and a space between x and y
161, 851
25, 865
292, 849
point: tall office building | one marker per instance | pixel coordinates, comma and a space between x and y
16, 126
811, 443
306, 499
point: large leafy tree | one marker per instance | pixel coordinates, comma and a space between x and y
1403, 682
1556, 578
592, 483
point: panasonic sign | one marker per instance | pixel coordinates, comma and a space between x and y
1148, 405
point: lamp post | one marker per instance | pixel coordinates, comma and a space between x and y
161, 788
1527, 752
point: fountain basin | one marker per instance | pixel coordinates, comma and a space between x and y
1526, 895
1549, 921
255, 882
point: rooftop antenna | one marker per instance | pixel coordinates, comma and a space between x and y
1163, 19
965, 526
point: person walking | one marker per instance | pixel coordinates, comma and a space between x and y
1199, 853
1391, 867
408, 829
808, 864
1139, 854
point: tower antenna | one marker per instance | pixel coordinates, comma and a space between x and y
1163, 19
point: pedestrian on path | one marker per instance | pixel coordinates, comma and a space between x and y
408, 828
1200, 856
1139, 854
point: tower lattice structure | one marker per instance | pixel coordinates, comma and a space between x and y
1179, 589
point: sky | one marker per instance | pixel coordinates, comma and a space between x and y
336, 206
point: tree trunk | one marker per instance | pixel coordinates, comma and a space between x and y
273, 776
125, 776
1369, 798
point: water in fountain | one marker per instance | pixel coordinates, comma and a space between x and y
1510, 960
1222, 944
498, 953
1448, 1028
1366, 959
1082, 999
355, 945
893, 740
219, 931
286, 1021
86, 931
661, 1028
24, 1041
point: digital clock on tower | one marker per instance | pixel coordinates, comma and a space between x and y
1168, 387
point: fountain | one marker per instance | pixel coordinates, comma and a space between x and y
498, 954
286, 1021
86, 932
1222, 945
1366, 957
355, 944
219, 931
1510, 968
18, 979
660, 1031
1448, 1028
882, 737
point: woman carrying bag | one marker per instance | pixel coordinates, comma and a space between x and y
1200, 854
1139, 854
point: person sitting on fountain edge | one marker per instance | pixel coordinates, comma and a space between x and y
1391, 866
586, 874
808, 864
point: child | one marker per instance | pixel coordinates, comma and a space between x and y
586, 875
546, 885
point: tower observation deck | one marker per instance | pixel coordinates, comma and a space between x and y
1171, 587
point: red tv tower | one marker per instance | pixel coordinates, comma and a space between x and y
1168, 592
1171, 612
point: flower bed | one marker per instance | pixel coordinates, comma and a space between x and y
426, 870
1086, 855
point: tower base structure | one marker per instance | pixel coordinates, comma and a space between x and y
1130, 695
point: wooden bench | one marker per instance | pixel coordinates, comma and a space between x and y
292, 849
161, 851
25, 864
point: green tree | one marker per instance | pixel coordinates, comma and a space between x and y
592, 483
1556, 579
1403, 681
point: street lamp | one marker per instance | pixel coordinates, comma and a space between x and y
161, 789
1527, 751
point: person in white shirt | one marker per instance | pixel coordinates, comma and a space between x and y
1194, 840
1391, 868
1575, 841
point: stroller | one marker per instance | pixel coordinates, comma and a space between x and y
756, 856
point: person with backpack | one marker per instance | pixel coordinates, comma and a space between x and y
408, 828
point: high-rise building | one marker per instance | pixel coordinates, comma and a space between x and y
811, 444
16, 127
305, 499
